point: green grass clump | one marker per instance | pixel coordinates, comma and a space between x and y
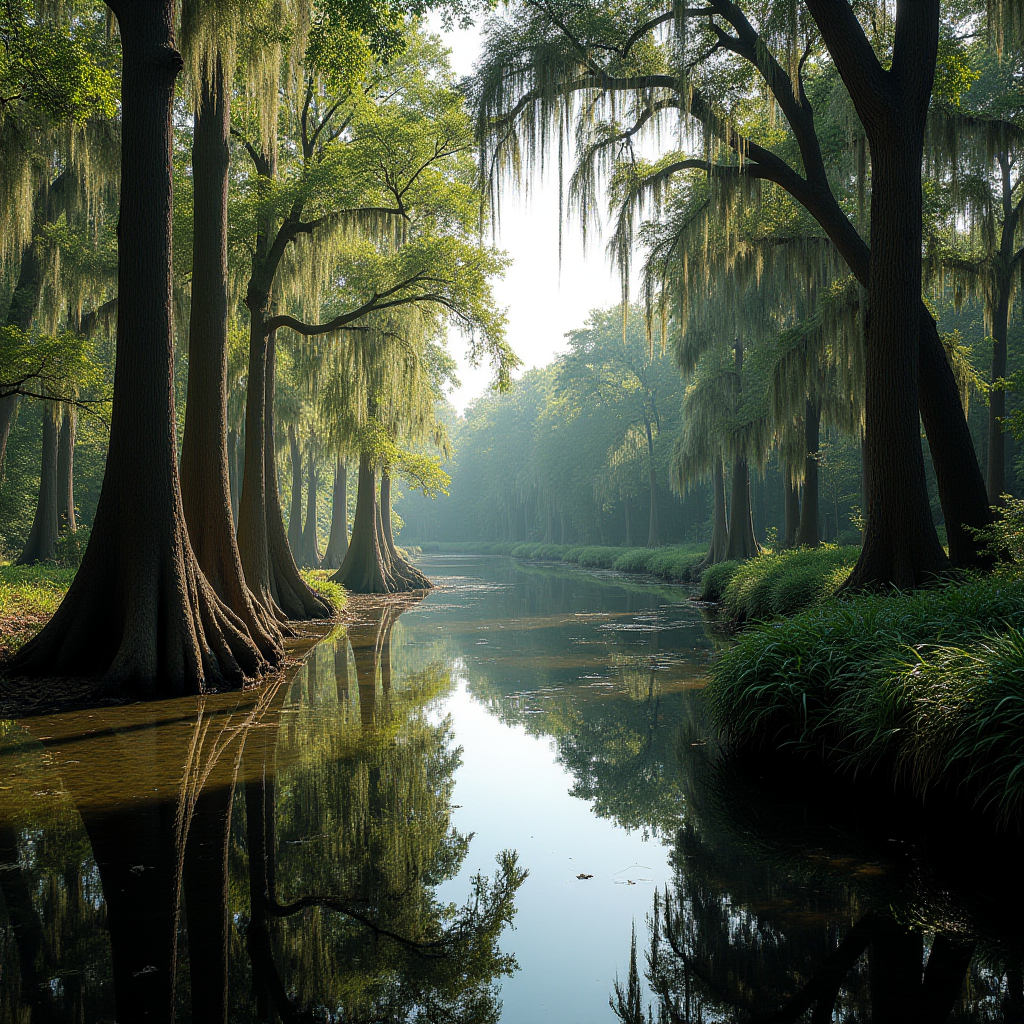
320, 581
548, 552
715, 579
598, 557
784, 582
927, 688
29, 595
675, 563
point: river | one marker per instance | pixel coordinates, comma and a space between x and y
465, 808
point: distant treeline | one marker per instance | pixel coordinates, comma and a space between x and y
564, 457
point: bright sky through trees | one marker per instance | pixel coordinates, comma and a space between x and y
535, 290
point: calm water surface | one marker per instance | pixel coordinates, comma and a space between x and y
339, 846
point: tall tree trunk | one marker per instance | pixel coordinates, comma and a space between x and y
205, 485
309, 544
901, 547
808, 535
8, 407
233, 488
960, 482
791, 502
337, 543
140, 612
290, 590
719, 547
997, 398
653, 540
742, 543
267, 561
961, 487
362, 570
295, 511
404, 575
42, 538
253, 547
25, 297
66, 470
49, 202
20, 313
629, 525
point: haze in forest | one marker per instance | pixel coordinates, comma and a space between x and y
546, 293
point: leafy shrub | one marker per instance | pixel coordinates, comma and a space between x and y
71, 547
548, 552
1005, 537
598, 557
674, 563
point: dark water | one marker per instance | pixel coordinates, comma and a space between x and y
333, 847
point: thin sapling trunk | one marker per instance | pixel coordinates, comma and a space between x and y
808, 534
42, 538
66, 471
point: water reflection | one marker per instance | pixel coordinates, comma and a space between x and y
137, 888
789, 905
291, 854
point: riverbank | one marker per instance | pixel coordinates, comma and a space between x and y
925, 690
923, 693
673, 562
777, 583
30, 594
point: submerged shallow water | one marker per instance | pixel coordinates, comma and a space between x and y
331, 847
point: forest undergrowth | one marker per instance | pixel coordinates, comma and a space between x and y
926, 689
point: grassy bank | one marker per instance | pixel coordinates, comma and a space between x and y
30, 594
674, 562
777, 583
925, 688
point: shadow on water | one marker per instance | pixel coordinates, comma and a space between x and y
248, 857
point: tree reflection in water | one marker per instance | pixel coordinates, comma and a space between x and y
783, 911
134, 884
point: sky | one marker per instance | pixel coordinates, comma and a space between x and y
543, 300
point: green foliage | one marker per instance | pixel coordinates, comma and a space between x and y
923, 688
715, 579
49, 69
29, 595
1005, 537
673, 562
781, 583
60, 365
320, 581
71, 547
